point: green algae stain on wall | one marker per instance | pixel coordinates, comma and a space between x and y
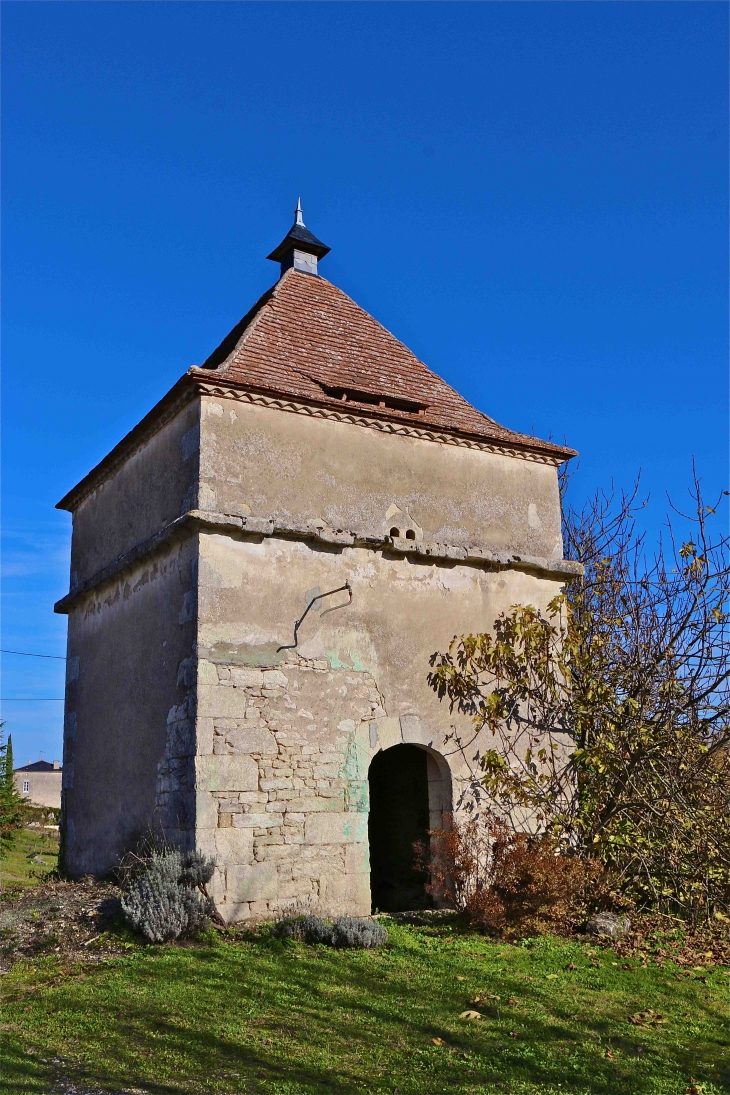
352, 662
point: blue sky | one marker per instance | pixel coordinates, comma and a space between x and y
532, 196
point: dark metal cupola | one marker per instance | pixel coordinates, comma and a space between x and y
300, 248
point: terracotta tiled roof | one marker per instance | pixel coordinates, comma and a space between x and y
307, 339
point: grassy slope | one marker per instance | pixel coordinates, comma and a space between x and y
285, 1018
18, 868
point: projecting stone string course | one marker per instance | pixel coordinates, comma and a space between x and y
474, 555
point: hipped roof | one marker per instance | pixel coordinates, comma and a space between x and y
307, 339
39, 766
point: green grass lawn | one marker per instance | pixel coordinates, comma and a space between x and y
289, 1019
20, 868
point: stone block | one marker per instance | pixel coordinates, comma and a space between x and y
414, 731
205, 843
203, 736
331, 828
220, 701
388, 732
256, 739
327, 771
255, 821
226, 773
344, 894
277, 852
206, 811
274, 784
263, 525
313, 805
207, 672
290, 891
254, 882
246, 678
274, 678
233, 847
217, 885
357, 796
357, 859
233, 912
262, 910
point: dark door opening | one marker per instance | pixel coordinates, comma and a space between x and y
398, 818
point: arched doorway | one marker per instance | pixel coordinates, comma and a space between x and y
399, 816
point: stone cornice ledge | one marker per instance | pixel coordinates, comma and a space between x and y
515, 445
196, 519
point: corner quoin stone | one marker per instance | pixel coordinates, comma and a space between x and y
226, 773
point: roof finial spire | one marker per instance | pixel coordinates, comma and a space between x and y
300, 248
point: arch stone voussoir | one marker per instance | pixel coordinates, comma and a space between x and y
384, 733
415, 732
406, 730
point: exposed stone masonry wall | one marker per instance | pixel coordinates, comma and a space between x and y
282, 787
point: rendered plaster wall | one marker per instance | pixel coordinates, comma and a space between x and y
128, 733
151, 487
262, 461
44, 788
284, 738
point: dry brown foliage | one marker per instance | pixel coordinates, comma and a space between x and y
511, 884
607, 717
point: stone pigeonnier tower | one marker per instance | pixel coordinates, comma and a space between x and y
260, 571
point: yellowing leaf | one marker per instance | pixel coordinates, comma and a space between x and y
470, 1015
437, 1041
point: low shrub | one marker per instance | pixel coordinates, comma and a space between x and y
348, 932
345, 931
306, 929
511, 885
168, 899
534, 889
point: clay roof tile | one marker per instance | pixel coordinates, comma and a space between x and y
307, 339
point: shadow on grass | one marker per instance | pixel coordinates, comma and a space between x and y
309, 1021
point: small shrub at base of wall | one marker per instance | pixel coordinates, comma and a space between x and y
345, 931
513, 885
166, 902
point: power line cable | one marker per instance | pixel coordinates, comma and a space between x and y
32, 699
25, 654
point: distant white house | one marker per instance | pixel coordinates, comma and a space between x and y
40, 783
